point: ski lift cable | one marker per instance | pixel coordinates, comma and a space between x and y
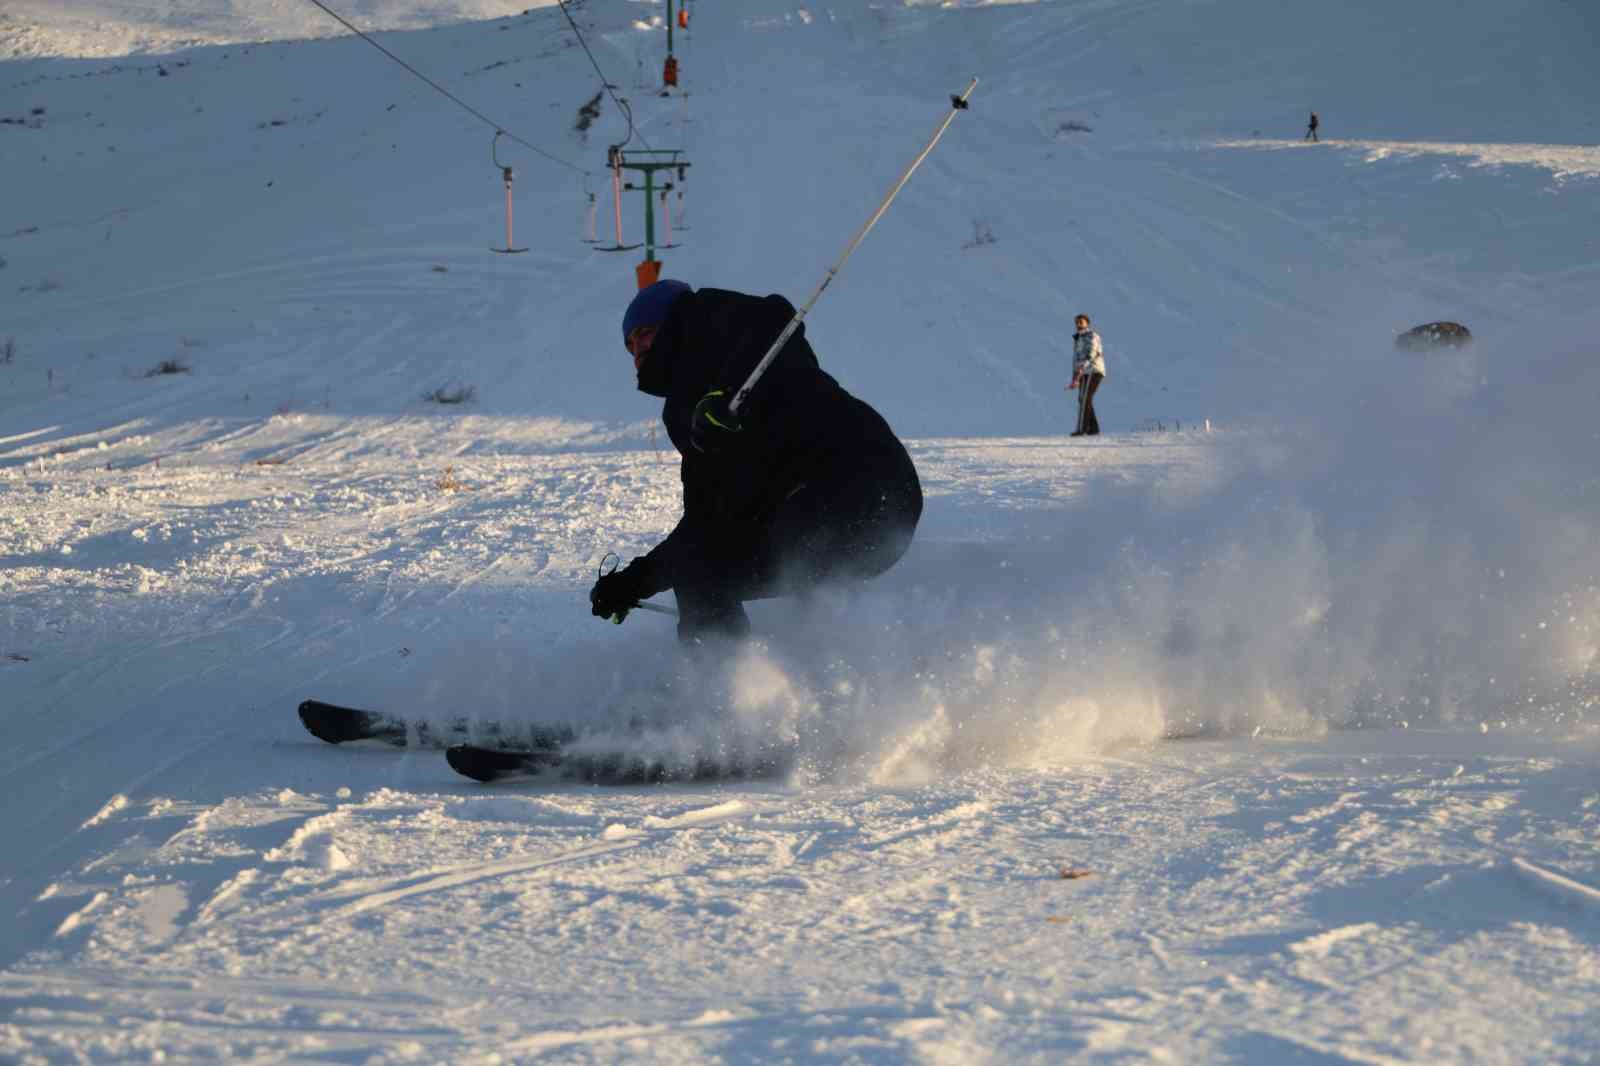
605, 82
479, 115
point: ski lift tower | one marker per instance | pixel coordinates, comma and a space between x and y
649, 162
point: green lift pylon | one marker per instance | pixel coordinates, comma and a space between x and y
648, 162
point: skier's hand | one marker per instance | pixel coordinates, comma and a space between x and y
617, 593
712, 427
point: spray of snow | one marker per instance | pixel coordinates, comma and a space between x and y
1416, 555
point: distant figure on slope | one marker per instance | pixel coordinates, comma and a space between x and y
805, 485
1311, 127
1088, 371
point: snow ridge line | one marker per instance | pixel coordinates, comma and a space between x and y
81, 915
1561, 160
115, 804
222, 899
470, 874
609, 1034
616, 838
1320, 945
1567, 886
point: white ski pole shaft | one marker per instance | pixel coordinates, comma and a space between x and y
957, 103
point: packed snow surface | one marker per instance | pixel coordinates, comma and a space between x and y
1263, 728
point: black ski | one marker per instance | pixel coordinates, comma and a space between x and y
554, 761
340, 725
493, 764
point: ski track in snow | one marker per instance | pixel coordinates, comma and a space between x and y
946, 903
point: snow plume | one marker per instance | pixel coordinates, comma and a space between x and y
888, 684
1422, 552
889, 687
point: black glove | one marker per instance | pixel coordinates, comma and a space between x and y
713, 425
619, 592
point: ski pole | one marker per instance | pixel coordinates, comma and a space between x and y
957, 103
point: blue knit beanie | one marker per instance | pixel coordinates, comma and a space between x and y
651, 304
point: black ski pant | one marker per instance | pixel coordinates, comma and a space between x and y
849, 525
1088, 424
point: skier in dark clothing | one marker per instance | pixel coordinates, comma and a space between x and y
805, 485
1311, 128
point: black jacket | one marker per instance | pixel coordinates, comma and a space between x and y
800, 426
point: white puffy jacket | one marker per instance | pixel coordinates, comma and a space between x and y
1087, 357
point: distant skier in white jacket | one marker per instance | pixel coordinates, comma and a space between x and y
1088, 371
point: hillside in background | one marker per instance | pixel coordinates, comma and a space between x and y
309, 219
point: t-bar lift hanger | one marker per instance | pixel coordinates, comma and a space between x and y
505, 171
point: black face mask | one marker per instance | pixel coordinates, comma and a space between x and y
655, 373
653, 377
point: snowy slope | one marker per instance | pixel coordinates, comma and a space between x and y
1223, 279
110, 30
1373, 592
